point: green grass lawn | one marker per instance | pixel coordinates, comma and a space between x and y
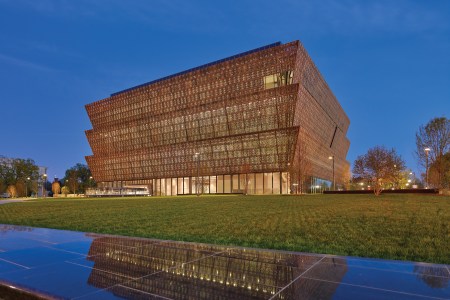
405, 227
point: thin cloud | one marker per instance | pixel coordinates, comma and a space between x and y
348, 17
24, 63
175, 15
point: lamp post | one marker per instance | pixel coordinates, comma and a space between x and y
426, 170
26, 187
413, 180
197, 158
43, 184
394, 185
334, 183
88, 191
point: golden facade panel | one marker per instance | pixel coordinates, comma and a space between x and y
250, 113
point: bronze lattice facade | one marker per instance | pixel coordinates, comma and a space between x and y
246, 123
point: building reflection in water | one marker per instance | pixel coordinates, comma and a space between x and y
434, 277
191, 271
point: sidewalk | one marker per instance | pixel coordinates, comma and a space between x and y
4, 201
77, 265
12, 200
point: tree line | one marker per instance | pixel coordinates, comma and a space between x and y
383, 168
379, 168
77, 180
20, 178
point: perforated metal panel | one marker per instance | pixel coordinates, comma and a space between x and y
228, 113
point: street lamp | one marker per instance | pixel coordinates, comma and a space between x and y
426, 170
26, 187
334, 183
197, 158
394, 185
413, 178
43, 184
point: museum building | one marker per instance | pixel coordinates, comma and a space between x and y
260, 122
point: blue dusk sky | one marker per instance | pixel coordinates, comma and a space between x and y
387, 62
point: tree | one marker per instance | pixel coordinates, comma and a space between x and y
65, 190
11, 190
16, 172
347, 177
24, 168
380, 166
56, 187
72, 180
79, 178
435, 175
6, 174
436, 136
300, 170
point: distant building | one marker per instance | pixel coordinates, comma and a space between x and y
246, 123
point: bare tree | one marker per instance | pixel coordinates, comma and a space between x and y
300, 170
435, 175
347, 177
246, 169
435, 135
379, 166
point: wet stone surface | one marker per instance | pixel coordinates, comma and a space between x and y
67, 264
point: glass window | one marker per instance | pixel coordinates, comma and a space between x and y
212, 184
186, 185
174, 186
269, 81
267, 183
259, 190
180, 185
227, 183
242, 183
279, 79
194, 185
235, 187
163, 187
276, 183
250, 183
205, 184
168, 187
284, 183
220, 184
158, 187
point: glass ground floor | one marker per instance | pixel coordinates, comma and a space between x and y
253, 183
